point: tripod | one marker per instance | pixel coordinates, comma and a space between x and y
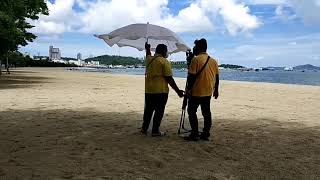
183, 116
189, 56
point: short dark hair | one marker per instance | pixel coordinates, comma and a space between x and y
201, 44
161, 49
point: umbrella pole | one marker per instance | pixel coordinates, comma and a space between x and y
145, 70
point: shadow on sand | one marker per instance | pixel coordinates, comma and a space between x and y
18, 79
86, 144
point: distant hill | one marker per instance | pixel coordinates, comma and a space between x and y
306, 67
116, 60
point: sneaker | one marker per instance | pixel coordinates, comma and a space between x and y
191, 138
205, 138
143, 132
158, 134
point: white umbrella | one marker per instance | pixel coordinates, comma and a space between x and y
135, 35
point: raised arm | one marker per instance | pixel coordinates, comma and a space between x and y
148, 49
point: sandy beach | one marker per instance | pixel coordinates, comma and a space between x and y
60, 124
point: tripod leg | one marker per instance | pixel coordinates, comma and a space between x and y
184, 117
181, 121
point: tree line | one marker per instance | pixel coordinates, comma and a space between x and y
14, 25
116, 60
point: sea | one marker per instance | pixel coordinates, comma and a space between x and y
309, 77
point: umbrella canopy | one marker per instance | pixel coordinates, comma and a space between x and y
135, 35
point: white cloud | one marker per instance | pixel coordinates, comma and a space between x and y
265, 2
102, 16
292, 43
274, 51
284, 14
62, 18
279, 11
259, 58
307, 10
192, 19
237, 17
49, 27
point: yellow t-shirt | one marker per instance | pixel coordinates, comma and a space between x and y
204, 84
157, 68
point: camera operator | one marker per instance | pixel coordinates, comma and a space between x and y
202, 82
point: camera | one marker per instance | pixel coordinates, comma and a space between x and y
190, 54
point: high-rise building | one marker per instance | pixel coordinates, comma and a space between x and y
54, 53
79, 56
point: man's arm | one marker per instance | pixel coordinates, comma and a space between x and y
174, 86
148, 51
191, 79
216, 87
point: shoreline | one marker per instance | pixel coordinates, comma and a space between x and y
127, 72
175, 77
140, 75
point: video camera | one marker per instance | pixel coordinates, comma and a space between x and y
190, 54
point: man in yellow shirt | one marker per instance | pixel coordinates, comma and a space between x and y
202, 82
158, 76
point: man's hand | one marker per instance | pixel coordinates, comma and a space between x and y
180, 93
148, 51
147, 46
188, 93
216, 94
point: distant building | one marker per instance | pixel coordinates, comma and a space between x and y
77, 62
54, 53
59, 61
93, 63
288, 68
79, 57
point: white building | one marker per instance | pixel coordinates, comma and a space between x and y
54, 53
58, 61
77, 62
288, 68
94, 63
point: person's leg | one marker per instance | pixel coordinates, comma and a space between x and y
193, 105
160, 106
148, 111
206, 112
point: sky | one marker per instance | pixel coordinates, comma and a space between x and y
253, 33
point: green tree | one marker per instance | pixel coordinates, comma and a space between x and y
15, 16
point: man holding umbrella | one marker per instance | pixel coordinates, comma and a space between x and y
158, 76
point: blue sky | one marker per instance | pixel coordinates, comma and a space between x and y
253, 33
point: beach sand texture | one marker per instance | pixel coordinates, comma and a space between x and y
59, 124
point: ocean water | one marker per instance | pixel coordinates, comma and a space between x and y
283, 77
